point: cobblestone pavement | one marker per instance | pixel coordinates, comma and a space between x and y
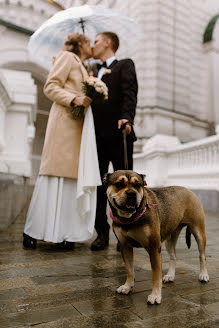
49, 287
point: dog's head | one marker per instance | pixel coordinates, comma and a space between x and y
125, 191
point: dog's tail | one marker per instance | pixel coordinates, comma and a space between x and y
188, 237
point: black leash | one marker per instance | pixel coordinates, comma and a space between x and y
125, 146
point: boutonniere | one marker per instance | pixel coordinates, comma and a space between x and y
107, 71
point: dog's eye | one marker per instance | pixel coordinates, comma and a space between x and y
137, 185
119, 185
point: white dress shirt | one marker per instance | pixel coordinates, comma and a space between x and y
102, 70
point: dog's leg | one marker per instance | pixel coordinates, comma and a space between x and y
170, 244
127, 255
155, 258
151, 242
200, 237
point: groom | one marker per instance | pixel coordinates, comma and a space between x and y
120, 78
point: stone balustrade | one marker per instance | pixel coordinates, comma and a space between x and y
167, 162
196, 164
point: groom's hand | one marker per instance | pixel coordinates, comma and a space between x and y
127, 127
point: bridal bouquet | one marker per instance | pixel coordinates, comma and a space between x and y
93, 88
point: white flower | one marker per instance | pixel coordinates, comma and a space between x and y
99, 90
98, 84
107, 71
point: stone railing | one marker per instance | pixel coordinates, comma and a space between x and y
195, 165
167, 162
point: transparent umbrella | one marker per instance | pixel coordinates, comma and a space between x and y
90, 20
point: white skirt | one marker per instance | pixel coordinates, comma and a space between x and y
64, 209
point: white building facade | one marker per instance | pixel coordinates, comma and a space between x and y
177, 64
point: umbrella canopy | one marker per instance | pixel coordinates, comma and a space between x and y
90, 20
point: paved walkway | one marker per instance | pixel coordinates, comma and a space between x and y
48, 287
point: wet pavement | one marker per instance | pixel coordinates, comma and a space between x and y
49, 287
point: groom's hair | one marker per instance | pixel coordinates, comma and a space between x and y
114, 39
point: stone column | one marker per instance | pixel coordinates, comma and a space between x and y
17, 115
214, 51
18, 121
4, 101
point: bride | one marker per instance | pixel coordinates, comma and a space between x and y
63, 204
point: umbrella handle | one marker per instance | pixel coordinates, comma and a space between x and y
82, 21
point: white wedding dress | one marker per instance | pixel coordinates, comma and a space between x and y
64, 209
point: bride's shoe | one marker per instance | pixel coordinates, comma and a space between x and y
29, 242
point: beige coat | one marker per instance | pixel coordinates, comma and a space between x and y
60, 156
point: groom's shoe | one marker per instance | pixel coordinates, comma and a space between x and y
100, 243
67, 245
29, 242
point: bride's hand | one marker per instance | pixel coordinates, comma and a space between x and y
82, 101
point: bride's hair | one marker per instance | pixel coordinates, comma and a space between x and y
73, 42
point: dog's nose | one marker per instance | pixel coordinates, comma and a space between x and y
131, 193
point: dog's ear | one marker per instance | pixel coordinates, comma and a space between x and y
106, 179
143, 179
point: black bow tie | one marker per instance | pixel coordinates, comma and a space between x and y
99, 66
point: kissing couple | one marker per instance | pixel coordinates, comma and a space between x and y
69, 199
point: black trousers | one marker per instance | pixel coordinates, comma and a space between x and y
109, 150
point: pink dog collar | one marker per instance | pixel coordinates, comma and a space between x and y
116, 220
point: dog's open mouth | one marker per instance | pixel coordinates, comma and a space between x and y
131, 208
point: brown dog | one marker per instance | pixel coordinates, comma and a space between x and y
144, 217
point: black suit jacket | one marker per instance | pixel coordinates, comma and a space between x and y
122, 99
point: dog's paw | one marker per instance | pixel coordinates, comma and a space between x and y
204, 277
124, 289
168, 278
154, 299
